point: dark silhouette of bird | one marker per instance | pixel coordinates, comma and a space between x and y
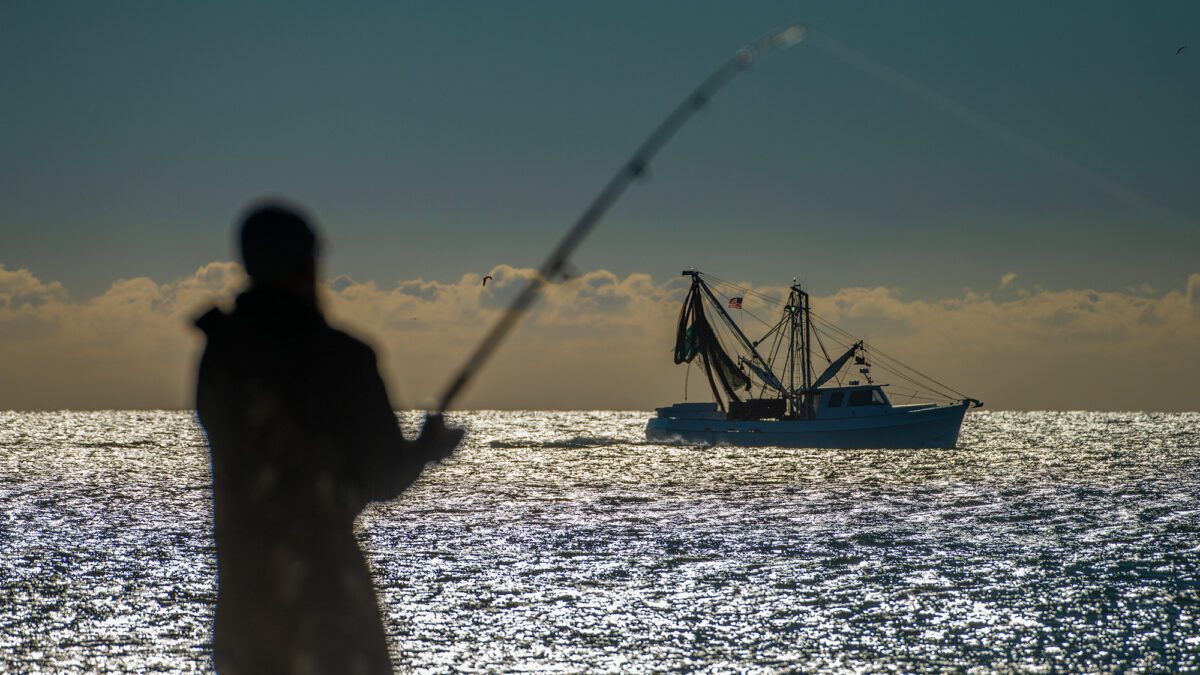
1180, 50
487, 279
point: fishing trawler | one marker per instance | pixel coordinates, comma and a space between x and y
755, 403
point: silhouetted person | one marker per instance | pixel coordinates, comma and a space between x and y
303, 437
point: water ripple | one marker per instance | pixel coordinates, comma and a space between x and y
563, 541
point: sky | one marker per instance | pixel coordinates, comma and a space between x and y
1014, 158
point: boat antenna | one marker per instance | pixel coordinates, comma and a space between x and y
554, 265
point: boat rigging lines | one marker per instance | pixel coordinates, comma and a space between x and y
823, 331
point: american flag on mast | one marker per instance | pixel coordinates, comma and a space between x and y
735, 303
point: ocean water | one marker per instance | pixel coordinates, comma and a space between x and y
564, 542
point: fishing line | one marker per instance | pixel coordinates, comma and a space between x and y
1005, 134
554, 265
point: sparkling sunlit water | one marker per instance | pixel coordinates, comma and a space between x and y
562, 541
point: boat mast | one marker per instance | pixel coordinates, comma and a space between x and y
800, 350
808, 369
792, 349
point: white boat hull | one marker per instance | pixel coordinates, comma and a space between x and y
900, 427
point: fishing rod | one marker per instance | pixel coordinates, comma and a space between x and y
554, 265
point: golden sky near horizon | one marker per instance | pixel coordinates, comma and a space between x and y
602, 341
1034, 199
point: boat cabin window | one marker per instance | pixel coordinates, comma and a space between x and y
866, 397
835, 399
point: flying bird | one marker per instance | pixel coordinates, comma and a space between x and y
1180, 50
487, 279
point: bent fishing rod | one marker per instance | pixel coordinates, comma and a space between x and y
554, 265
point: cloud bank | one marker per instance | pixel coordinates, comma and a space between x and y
603, 341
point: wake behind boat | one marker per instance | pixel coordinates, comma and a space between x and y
779, 400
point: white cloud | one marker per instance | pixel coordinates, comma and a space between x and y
128, 347
601, 340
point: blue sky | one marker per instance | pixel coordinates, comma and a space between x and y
435, 139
